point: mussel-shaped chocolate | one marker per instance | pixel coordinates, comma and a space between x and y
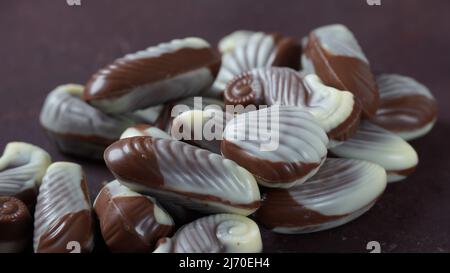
220, 233
339, 61
258, 50
281, 146
76, 127
407, 107
129, 221
144, 130
168, 71
16, 225
342, 190
336, 110
375, 144
184, 174
63, 220
22, 167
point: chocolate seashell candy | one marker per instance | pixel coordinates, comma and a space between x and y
16, 225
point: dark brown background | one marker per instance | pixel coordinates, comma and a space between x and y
47, 43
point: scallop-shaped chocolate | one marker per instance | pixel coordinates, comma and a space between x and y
62, 220
258, 50
407, 107
144, 130
76, 127
168, 71
342, 190
340, 62
129, 221
220, 233
375, 144
336, 110
281, 145
16, 225
183, 174
22, 167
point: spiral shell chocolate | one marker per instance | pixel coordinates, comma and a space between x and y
340, 62
168, 71
16, 225
342, 190
22, 167
184, 174
375, 144
220, 233
63, 211
129, 221
258, 50
407, 107
281, 145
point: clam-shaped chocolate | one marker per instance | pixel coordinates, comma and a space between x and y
281, 146
407, 107
220, 233
340, 62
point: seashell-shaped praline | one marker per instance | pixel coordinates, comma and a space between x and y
171, 170
281, 145
407, 107
220, 233
129, 221
16, 225
342, 190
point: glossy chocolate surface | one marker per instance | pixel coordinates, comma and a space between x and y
16, 225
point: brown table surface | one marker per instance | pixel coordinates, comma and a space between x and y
47, 43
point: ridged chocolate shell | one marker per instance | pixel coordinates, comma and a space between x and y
129, 221
281, 145
220, 233
375, 144
339, 192
16, 225
336, 110
340, 62
186, 175
63, 211
407, 107
22, 167
258, 50
168, 71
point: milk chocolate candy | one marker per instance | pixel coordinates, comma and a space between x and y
168, 71
281, 146
339, 61
175, 171
144, 130
258, 50
375, 144
129, 221
407, 107
336, 110
233, 40
16, 225
62, 220
220, 233
342, 190
76, 127
22, 167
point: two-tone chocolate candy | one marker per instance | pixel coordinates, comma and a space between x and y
258, 50
16, 225
22, 167
281, 145
373, 143
168, 71
339, 61
407, 107
184, 174
76, 127
63, 220
144, 130
220, 233
336, 110
342, 190
129, 221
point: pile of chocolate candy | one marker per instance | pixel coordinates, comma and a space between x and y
341, 136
